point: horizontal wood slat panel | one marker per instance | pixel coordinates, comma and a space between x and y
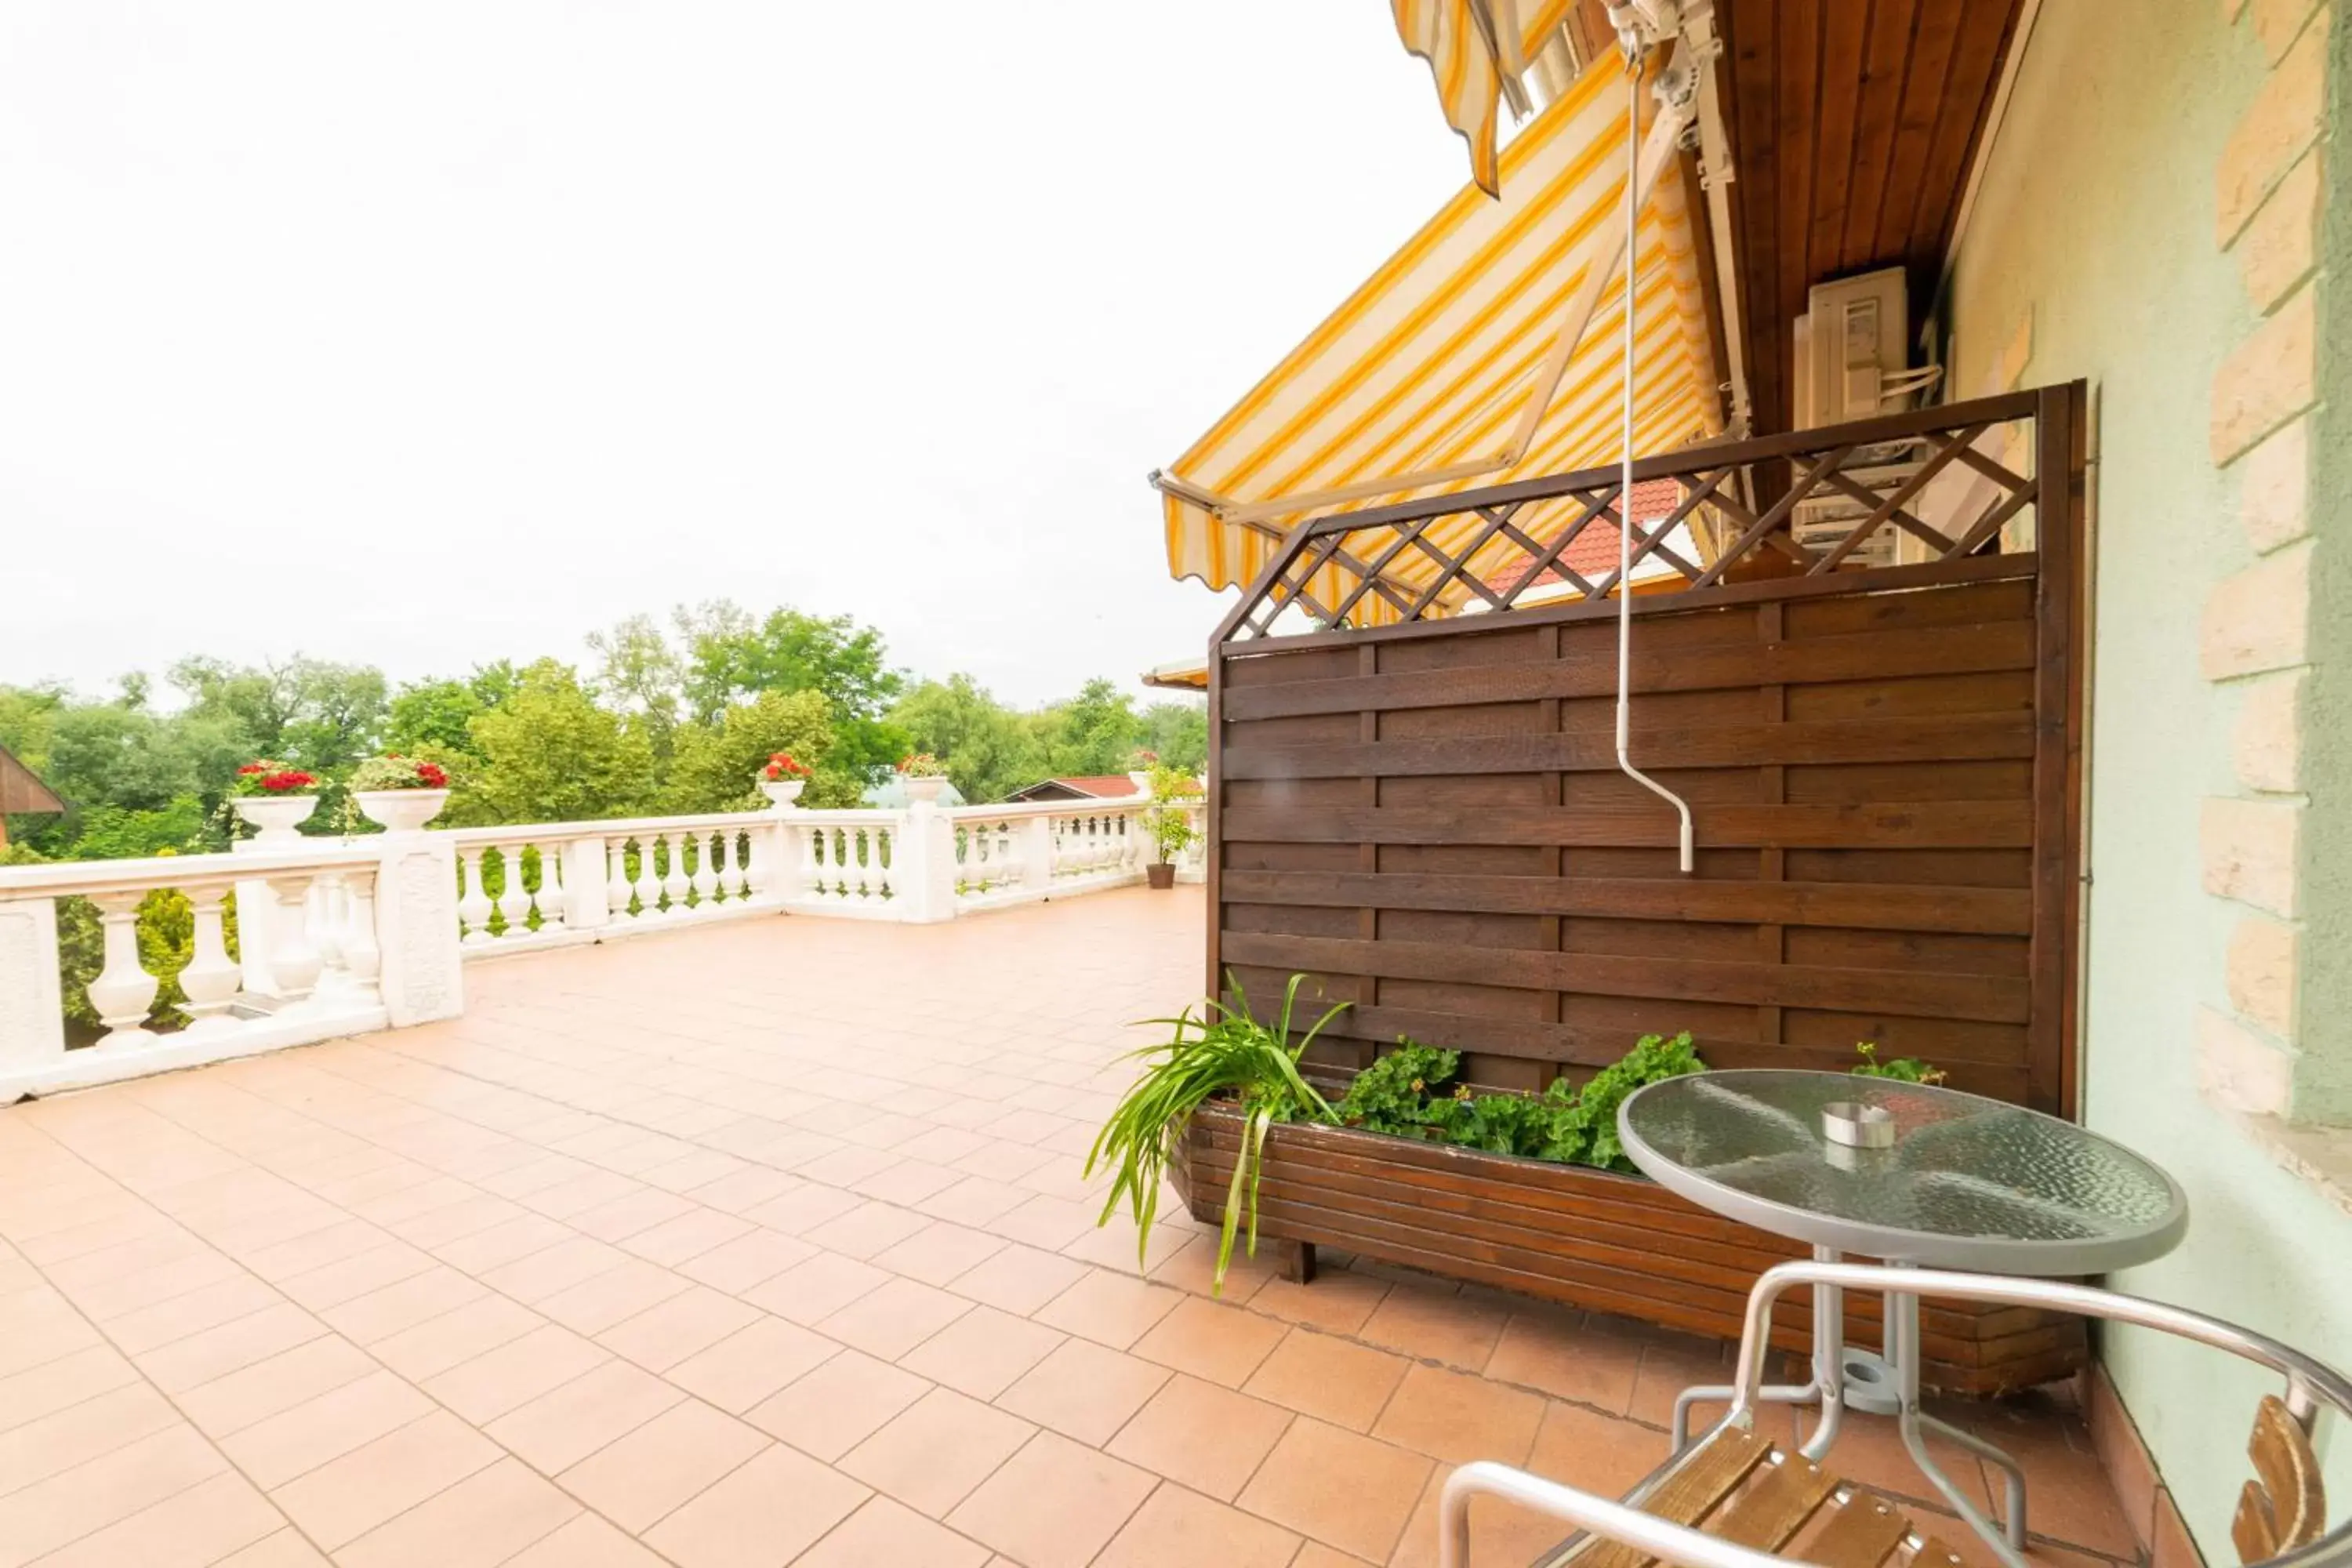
1588, 668
1990, 911
1988, 998
1946, 825
1952, 738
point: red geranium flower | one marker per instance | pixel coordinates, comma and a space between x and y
253, 768
287, 782
434, 775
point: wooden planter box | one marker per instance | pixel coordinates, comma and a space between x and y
1591, 1238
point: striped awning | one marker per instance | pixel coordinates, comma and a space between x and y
1431, 366
1474, 48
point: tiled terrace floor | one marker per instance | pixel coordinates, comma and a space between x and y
755, 1245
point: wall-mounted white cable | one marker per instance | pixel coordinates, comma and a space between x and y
1625, 479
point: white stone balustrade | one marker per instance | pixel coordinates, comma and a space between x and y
341, 936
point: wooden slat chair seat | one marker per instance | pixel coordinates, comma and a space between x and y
2285, 1506
1742, 1488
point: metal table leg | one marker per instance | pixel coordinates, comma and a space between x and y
1827, 1387
2007, 1540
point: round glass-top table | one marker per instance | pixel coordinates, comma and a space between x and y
1960, 1182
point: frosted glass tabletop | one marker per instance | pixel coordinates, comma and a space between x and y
1968, 1183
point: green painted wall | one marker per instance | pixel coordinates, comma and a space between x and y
2095, 221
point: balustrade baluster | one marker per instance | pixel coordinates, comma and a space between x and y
675, 882
616, 880
514, 899
296, 965
550, 900
648, 883
811, 852
123, 990
474, 905
362, 959
703, 878
212, 977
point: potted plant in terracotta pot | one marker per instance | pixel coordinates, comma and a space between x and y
782, 779
924, 775
400, 793
1174, 795
274, 798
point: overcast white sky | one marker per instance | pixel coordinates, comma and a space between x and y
431, 333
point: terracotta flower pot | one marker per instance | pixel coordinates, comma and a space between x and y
1161, 874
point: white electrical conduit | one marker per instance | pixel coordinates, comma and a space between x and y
1625, 476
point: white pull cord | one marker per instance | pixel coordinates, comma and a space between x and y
1625, 477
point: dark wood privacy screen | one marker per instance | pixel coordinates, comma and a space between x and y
1428, 818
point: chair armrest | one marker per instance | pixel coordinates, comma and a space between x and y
1598, 1516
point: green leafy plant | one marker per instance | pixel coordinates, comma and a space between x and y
922, 765
1903, 1069
1170, 820
1224, 1051
1413, 1092
393, 771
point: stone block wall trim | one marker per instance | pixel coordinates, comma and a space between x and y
2266, 743
2239, 1072
2248, 851
2285, 117
2268, 379
2261, 974
2259, 619
2274, 487
2281, 246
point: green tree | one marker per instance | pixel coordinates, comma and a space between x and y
639, 672
550, 755
1177, 733
319, 716
718, 765
1096, 732
990, 750
729, 655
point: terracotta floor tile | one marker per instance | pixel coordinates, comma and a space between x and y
503, 1244
613, 1296
683, 1325
482, 1520
156, 1325
1345, 1490
871, 1227
629, 1213
79, 1433
751, 1259
1110, 1308
972, 1200
53, 1386
1499, 1531
347, 1238
813, 1290
324, 1427
586, 1543
838, 1405
1223, 1345
762, 1514
1178, 1529
185, 1364
1455, 1417
1600, 1454
689, 1236
564, 1426
1338, 1302
1315, 1554
200, 1526
1019, 1279
345, 1498
1084, 1391
577, 1194
1194, 1265
885, 1531
940, 1252
1112, 1246
286, 1549
745, 1367
1560, 1358
266, 1388
454, 1222
491, 1384
1054, 1504
104, 1492
643, 1475
1045, 1222
937, 1450
1202, 1436
339, 1282
536, 1275
1868, 1449
744, 1190
983, 1353
380, 1314
1334, 1380
436, 1344
1428, 1322
805, 1208
894, 1318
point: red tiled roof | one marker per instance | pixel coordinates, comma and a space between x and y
1095, 786
1593, 552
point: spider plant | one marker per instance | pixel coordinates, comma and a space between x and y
1222, 1051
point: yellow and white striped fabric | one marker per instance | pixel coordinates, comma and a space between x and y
1465, 42
1432, 362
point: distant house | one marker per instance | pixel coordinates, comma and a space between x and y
1088, 786
890, 794
22, 792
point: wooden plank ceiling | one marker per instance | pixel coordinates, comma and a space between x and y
1852, 124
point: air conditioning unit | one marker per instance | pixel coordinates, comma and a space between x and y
1851, 364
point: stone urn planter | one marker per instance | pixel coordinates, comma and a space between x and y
401, 810
1161, 874
926, 790
782, 792
275, 817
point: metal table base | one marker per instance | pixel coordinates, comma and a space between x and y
1886, 1384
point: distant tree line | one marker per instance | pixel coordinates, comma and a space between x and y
659, 720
